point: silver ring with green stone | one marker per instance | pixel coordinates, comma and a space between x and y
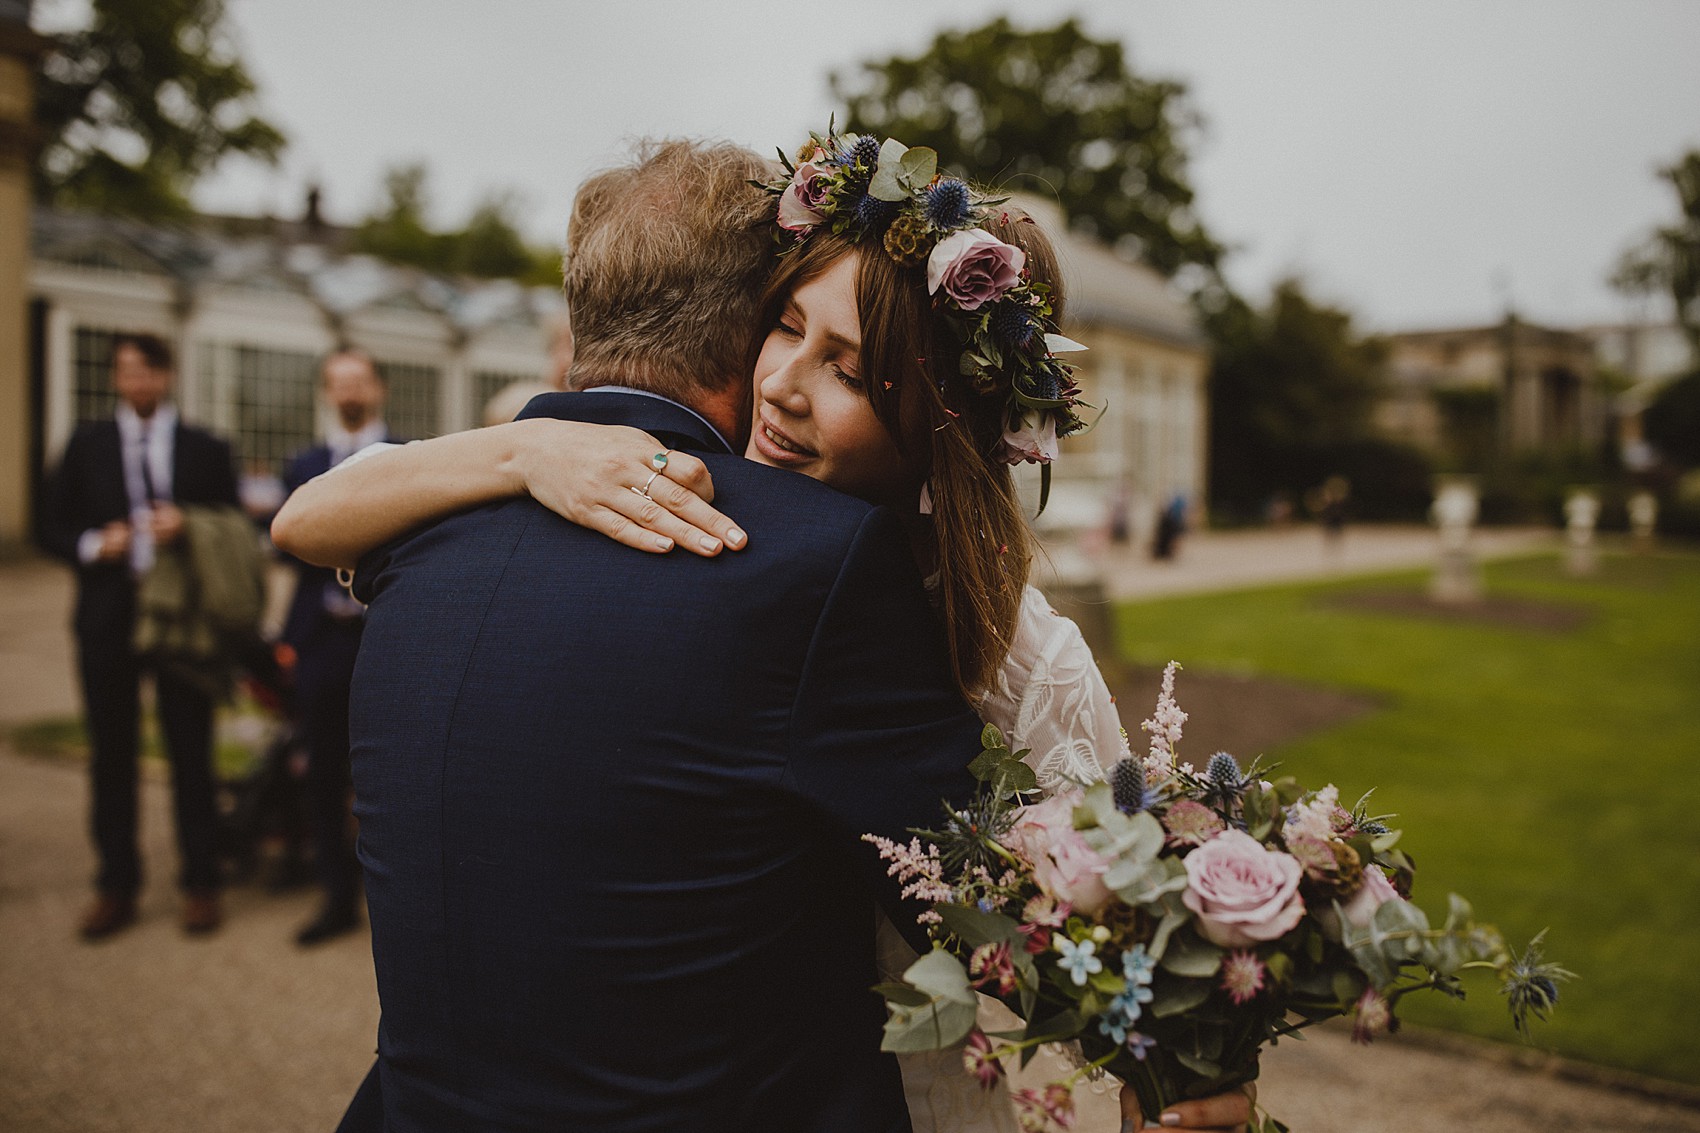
659, 460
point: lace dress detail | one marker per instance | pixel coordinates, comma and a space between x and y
1048, 697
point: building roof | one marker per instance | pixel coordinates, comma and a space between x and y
217, 254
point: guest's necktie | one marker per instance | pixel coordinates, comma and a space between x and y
147, 462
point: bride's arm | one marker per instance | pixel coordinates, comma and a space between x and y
582, 471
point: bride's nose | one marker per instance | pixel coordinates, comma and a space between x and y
783, 389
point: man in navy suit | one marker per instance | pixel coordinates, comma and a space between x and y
610, 803
113, 499
323, 628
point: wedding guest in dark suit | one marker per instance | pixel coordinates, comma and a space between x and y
324, 630
112, 501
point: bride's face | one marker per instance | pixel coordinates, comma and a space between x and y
811, 412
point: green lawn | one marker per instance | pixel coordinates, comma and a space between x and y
1550, 777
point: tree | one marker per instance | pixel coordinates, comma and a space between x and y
1292, 389
1669, 259
490, 246
141, 104
398, 231
1054, 111
1672, 421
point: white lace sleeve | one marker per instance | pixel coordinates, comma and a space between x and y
1050, 697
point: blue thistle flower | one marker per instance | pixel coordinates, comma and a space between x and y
873, 213
866, 150
1127, 781
1014, 325
1223, 770
947, 204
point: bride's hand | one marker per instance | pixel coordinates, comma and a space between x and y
1220, 1113
596, 476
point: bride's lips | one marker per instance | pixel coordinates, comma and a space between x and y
779, 448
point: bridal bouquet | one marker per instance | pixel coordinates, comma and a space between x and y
1171, 922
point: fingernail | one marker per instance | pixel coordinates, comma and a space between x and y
709, 543
735, 538
1127, 1125
1170, 1119
664, 543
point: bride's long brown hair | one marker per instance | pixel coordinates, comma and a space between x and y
949, 436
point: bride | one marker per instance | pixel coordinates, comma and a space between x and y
860, 382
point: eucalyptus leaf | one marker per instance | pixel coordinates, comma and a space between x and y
919, 166
990, 737
1017, 776
940, 974
903, 995
1197, 1065
1055, 1028
1175, 996
936, 1027
1459, 915
985, 766
887, 182
977, 928
1166, 927
1188, 955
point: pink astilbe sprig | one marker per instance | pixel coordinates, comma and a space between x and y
1164, 727
920, 870
1043, 1111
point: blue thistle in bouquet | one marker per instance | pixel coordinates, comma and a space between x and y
1173, 923
1127, 781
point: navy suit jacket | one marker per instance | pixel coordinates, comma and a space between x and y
301, 629
87, 490
611, 804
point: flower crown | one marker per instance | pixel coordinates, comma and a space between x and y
864, 190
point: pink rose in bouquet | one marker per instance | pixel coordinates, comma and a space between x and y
1064, 866
800, 204
974, 268
1374, 892
1242, 893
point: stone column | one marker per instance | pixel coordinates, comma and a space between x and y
19, 50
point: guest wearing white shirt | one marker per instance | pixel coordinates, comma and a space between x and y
112, 501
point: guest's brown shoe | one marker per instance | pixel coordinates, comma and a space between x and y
201, 912
110, 913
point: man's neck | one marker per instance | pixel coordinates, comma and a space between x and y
725, 410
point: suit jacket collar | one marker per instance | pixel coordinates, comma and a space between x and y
669, 422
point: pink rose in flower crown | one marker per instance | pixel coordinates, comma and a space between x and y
1242, 893
1036, 444
1065, 867
800, 204
974, 268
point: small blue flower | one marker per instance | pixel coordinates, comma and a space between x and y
985, 905
1078, 960
1113, 1028
1138, 966
1139, 1045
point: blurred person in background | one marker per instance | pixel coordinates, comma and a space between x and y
112, 502
510, 399
323, 629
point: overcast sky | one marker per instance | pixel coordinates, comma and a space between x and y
1420, 163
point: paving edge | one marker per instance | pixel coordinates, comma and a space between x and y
1553, 1065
